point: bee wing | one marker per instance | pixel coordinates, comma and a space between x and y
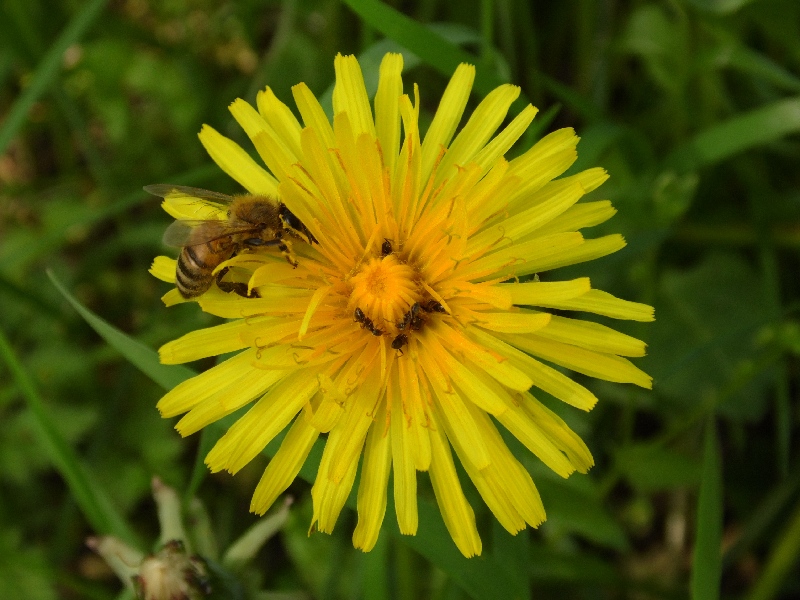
191, 233
179, 233
167, 190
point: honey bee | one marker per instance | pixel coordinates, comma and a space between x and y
252, 221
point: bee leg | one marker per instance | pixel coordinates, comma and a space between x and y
233, 286
295, 226
285, 246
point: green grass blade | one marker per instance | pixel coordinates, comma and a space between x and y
748, 61
707, 562
146, 360
755, 128
780, 562
422, 41
47, 71
142, 357
720, 7
89, 496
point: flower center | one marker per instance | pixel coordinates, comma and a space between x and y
384, 290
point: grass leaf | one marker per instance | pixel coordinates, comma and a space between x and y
422, 41
142, 357
781, 560
707, 562
742, 132
749, 61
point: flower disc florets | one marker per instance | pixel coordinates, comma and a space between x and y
384, 289
415, 325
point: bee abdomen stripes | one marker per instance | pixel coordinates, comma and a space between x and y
191, 276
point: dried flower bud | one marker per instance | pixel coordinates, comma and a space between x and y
172, 574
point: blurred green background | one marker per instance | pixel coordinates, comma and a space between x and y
691, 105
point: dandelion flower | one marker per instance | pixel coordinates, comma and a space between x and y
415, 326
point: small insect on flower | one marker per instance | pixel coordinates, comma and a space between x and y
252, 221
400, 340
366, 322
411, 320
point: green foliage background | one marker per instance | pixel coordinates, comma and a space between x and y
692, 106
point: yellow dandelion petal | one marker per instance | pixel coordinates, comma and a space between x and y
453, 410
238, 393
281, 119
559, 432
603, 303
212, 341
538, 293
360, 413
511, 322
191, 392
594, 364
480, 127
579, 216
502, 143
545, 378
591, 336
459, 518
272, 150
508, 481
232, 159
385, 298
527, 431
415, 404
273, 299
589, 250
350, 95
163, 268
326, 412
403, 459
387, 107
548, 159
372, 491
173, 297
313, 114
268, 417
328, 496
284, 466
521, 259
448, 115
518, 226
